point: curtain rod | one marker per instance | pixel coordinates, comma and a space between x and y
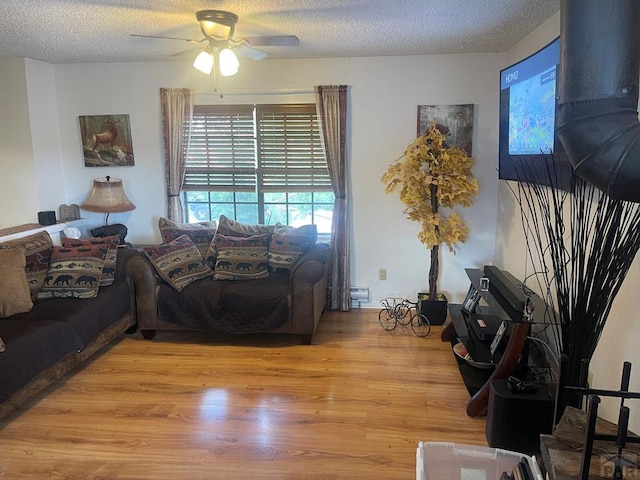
281, 91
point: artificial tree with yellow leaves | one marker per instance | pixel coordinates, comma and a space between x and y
430, 176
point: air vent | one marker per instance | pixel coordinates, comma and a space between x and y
359, 295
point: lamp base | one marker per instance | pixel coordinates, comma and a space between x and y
109, 230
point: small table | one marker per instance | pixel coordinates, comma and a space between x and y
562, 452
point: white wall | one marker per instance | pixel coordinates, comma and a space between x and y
19, 194
384, 94
620, 340
45, 134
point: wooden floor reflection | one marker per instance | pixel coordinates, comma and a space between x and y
190, 406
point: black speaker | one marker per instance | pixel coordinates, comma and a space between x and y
516, 420
48, 217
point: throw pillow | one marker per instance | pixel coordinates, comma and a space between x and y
200, 233
227, 226
288, 244
74, 272
233, 228
15, 296
241, 258
37, 250
178, 262
110, 260
2, 347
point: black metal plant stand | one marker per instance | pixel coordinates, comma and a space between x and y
621, 439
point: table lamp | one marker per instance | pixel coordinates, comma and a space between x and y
108, 196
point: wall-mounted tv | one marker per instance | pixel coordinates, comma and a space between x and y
529, 150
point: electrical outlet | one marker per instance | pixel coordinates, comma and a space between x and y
382, 273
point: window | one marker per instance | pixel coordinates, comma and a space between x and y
258, 164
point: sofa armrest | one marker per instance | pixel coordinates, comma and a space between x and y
313, 265
124, 254
143, 281
309, 290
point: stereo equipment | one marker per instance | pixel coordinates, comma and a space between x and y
506, 287
515, 420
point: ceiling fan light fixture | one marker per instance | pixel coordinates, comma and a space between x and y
204, 62
217, 24
229, 63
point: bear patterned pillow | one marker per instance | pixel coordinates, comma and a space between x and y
110, 260
178, 262
288, 244
201, 234
37, 250
233, 228
241, 258
15, 296
74, 272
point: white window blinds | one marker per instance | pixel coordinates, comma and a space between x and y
291, 158
268, 148
222, 149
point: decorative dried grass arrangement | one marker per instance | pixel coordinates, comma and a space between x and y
581, 245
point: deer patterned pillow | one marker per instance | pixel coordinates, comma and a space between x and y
112, 242
74, 272
178, 262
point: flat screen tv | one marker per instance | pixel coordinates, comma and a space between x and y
529, 150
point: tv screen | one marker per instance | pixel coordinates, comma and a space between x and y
529, 149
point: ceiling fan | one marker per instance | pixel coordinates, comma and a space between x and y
218, 27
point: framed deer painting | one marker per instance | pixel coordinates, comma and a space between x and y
106, 140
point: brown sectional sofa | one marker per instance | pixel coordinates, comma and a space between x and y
58, 334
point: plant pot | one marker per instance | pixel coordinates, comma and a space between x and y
434, 310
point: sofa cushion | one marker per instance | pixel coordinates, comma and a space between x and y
228, 306
74, 272
288, 244
200, 233
110, 260
37, 250
31, 346
14, 290
241, 258
178, 262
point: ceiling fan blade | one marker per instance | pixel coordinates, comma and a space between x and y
272, 41
185, 52
195, 42
246, 51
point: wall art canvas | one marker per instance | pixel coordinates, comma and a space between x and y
106, 140
457, 120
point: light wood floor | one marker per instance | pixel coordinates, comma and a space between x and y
183, 406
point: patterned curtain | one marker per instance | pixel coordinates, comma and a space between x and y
331, 103
176, 106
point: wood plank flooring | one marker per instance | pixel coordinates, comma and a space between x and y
190, 406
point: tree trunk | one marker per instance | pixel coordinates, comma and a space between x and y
434, 269
433, 273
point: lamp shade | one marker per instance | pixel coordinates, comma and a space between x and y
204, 62
107, 196
228, 62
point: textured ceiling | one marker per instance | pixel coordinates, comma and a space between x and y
73, 31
